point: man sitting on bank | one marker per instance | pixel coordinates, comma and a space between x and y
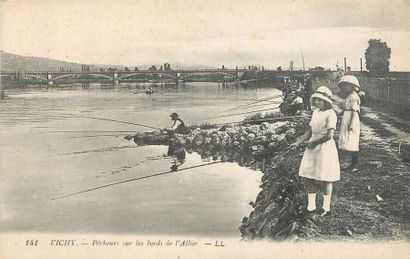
178, 126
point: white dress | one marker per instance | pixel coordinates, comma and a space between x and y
322, 162
349, 140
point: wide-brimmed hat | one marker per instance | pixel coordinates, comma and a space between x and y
323, 93
174, 115
349, 79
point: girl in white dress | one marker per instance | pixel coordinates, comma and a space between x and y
350, 126
320, 163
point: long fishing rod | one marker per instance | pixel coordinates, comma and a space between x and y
258, 101
132, 179
207, 98
125, 122
88, 131
96, 136
263, 104
223, 116
262, 120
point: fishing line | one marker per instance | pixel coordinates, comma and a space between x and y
263, 120
131, 180
260, 100
95, 136
223, 116
89, 131
120, 121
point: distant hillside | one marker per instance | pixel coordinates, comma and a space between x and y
12, 62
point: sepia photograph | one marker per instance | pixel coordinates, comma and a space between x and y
204, 129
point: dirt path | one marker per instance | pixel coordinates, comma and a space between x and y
373, 203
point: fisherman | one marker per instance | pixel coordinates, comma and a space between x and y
296, 105
149, 91
291, 104
178, 126
308, 92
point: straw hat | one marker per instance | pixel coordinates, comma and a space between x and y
323, 93
349, 79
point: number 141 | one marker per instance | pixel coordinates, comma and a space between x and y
31, 242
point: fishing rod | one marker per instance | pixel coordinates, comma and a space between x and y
263, 104
260, 100
223, 116
207, 98
125, 122
96, 136
132, 180
263, 120
89, 131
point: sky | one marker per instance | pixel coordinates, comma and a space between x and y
209, 32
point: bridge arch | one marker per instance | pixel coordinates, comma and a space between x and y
35, 76
70, 75
147, 73
224, 74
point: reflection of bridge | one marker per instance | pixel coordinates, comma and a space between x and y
119, 76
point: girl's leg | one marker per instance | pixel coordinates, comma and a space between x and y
355, 158
327, 195
311, 189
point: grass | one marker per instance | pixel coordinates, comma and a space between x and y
203, 126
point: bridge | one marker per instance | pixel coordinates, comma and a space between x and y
117, 76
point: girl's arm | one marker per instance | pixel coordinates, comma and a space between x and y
354, 114
303, 138
355, 107
328, 136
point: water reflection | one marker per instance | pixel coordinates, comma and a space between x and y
176, 150
34, 170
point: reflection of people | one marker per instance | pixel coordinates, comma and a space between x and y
350, 126
177, 153
320, 162
178, 125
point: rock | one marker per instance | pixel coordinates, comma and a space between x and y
251, 136
270, 208
207, 141
198, 140
379, 198
360, 230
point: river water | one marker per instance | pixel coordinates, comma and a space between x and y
40, 161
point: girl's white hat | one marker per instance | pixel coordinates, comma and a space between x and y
350, 80
323, 93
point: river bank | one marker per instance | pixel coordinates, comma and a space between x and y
372, 204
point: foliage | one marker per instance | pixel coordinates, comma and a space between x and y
377, 56
203, 126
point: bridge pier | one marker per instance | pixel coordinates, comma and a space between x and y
115, 80
177, 78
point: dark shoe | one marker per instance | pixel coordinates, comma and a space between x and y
309, 214
323, 213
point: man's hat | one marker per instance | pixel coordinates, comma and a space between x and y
174, 115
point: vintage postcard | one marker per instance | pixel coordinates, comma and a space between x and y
204, 129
